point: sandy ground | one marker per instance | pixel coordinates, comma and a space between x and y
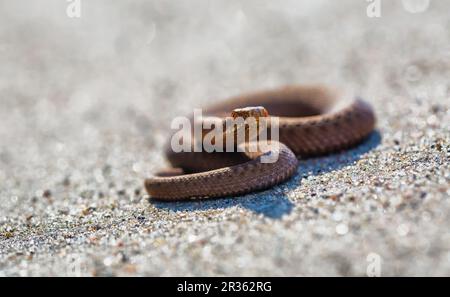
86, 103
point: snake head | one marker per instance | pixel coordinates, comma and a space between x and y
251, 111
252, 116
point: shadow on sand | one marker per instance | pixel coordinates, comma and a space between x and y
274, 203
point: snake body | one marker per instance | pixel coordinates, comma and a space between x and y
313, 120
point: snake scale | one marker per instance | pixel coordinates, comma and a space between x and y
313, 120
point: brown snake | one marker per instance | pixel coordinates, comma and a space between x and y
313, 120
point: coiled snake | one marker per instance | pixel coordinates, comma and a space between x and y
313, 120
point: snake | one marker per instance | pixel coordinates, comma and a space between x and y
313, 120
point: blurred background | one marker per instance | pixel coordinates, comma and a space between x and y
86, 103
